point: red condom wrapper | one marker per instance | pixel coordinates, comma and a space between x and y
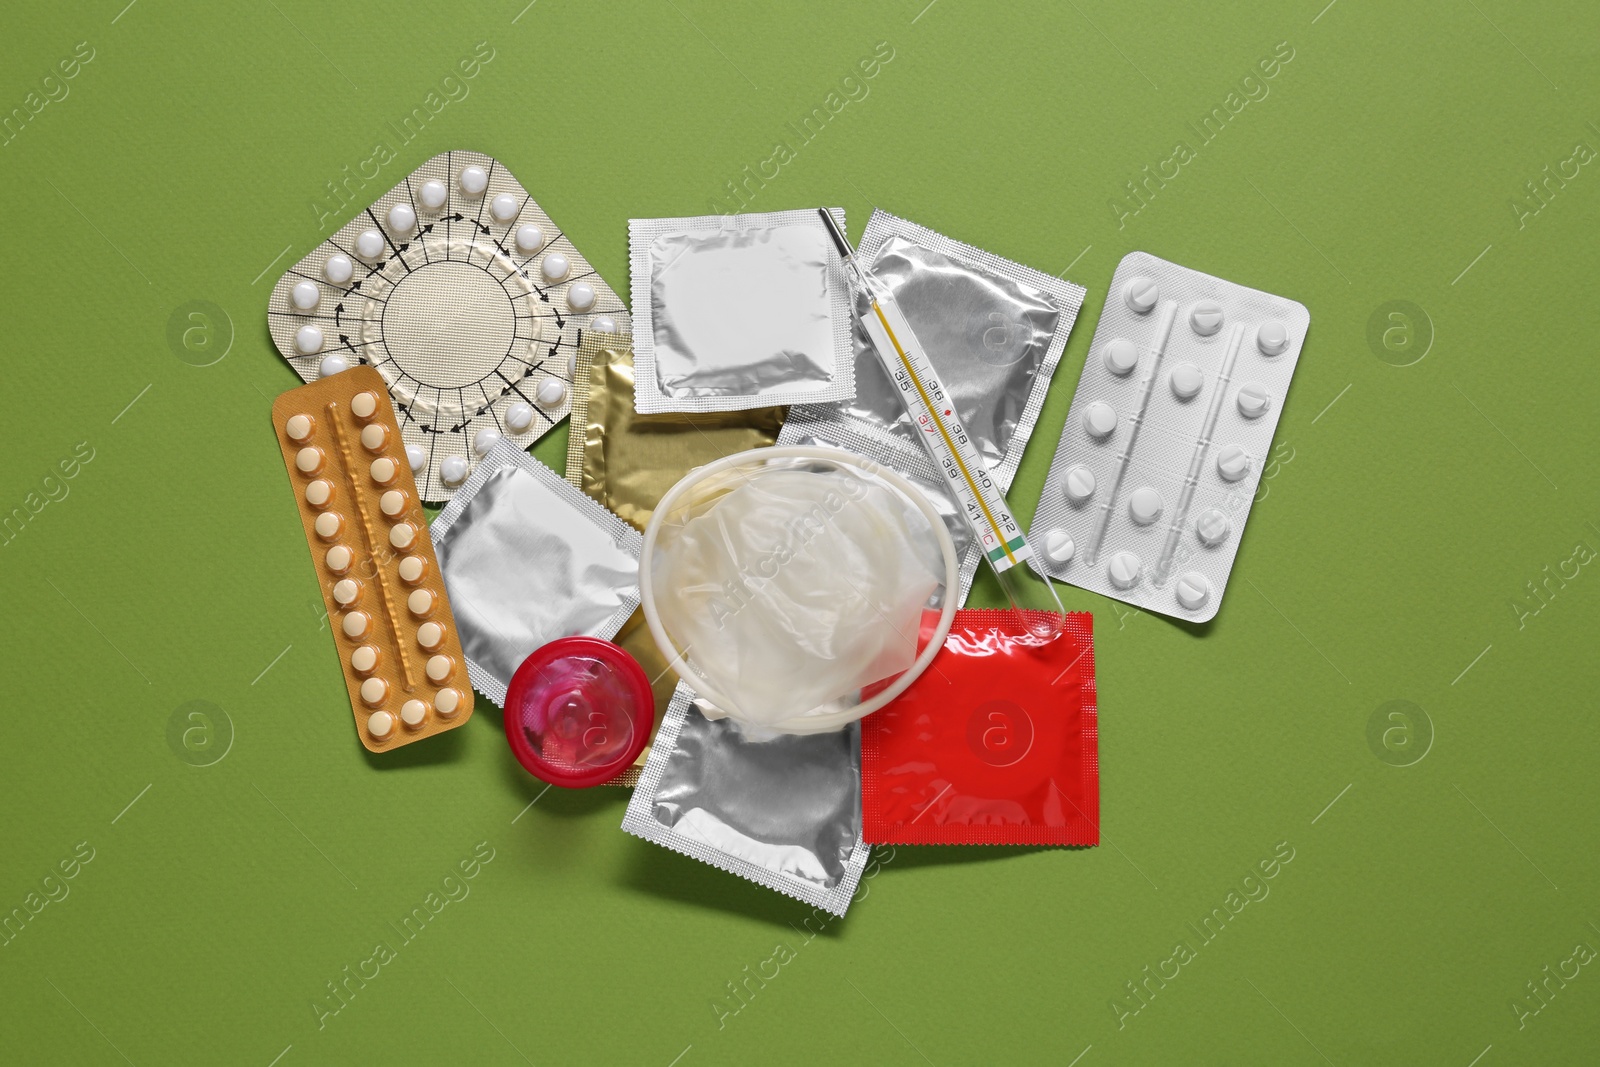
996, 743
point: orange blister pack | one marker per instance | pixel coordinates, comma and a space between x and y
374, 558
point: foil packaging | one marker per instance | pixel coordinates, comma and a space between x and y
739, 311
993, 329
628, 461
784, 813
527, 558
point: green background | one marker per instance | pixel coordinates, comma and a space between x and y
1409, 507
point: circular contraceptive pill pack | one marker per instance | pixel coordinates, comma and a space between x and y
466, 297
1162, 452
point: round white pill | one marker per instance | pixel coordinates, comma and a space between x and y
1186, 381
453, 470
420, 602
1141, 294
1078, 484
1121, 355
413, 713
1144, 505
504, 207
1099, 419
369, 244
1254, 400
1206, 318
328, 525
1272, 337
412, 568
474, 180
1211, 526
415, 457
1058, 546
331, 365
346, 591
356, 624
380, 724
308, 340
402, 535
402, 220
305, 296
392, 503
484, 440
552, 391
338, 269
374, 437
364, 405
299, 427
1123, 570
373, 690
519, 417
581, 296
430, 635
1233, 462
338, 559
432, 194
1193, 590
554, 267
364, 660
308, 460
603, 324
383, 470
440, 668
319, 493
529, 238
447, 702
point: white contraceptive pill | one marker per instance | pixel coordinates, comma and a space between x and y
308, 340
580, 296
529, 238
464, 295
554, 267
1162, 450
485, 439
402, 220
433, 194
1120, 354
338, 269
519, 417
1058, 546
305, 296
504, 207
552, 393
1079, 485
370, 244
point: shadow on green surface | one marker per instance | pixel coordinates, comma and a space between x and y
447, 747
665, 874
939, 855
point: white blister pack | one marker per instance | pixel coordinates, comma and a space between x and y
458, 289
1159, 460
